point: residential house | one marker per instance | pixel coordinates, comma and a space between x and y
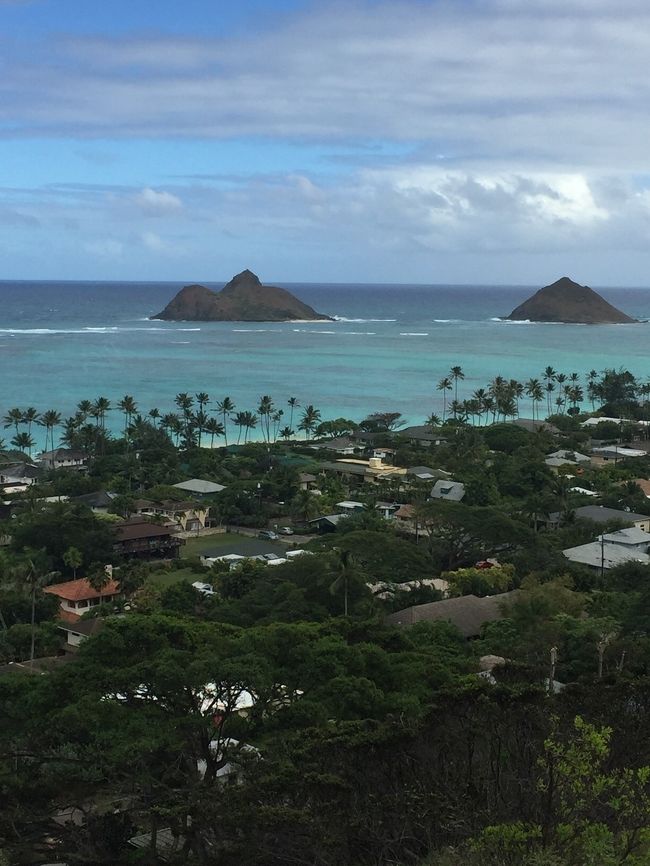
306, 481
99, 501
364, 471
603, 556
630, 538
426, 473
200, 488
563, 457
535, 426
182, 516
17, 477
421, 435
343, 445
615, 452
77, 632
450, 491
78, 596
137, 537
387, 509
644, 484
63, 458
469, 613
349, 506
326, 522
602, 514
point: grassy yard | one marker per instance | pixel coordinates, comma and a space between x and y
162, 579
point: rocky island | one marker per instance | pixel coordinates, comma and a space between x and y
570, 303
243, 299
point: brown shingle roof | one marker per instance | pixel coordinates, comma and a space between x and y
143, 529
78, 590
468, 613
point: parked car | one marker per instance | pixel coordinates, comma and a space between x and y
285, 530
268, 535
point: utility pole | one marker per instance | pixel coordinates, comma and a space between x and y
551, 673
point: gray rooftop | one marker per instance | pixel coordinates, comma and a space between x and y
198, 485
606, 556
451, 491
602, 514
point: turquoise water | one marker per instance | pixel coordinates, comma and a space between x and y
62, 342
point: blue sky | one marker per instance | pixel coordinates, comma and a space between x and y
403, 141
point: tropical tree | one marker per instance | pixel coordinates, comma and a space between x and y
444, 385
250, 423
457, 375
50, 419
32, 573
84, 407
293, 403
225, 407
309, 420
13, 418
128, 407
265, 410
154, 414
23, 442
535, 391
199, 420
240, 421
30, 416
101, 406
345, 573
202, 399
287, 433
214, 428
73, 559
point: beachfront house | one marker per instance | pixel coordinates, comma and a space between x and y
356, 471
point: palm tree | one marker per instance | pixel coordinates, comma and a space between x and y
32, 574
309, 420
444, 385
433, 420
101, 406
550, 388
200, 419
240, 421
286, 433
84, 407
345, 572
250, 423
456, 373
50, 419
517, 391
184, 403
73, 558
292, 402
129, 407
265, 410
202, 399
479, 396
30, 416
154, 414
592, 378
226, 407
277, 420
13, 418
214, 428
535, 391
70, 430
23, 442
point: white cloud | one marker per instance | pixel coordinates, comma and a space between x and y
156, 203
542, 83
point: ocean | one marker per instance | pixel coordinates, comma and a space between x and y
61, 342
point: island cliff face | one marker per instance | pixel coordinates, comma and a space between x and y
243, 299
570, 303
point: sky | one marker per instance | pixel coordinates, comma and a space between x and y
412, 141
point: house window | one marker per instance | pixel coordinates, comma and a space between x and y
82, 604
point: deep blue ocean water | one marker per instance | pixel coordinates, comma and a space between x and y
61, 342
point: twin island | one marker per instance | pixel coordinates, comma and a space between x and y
246, 299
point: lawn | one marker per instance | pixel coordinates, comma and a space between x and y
229, 542
162, 579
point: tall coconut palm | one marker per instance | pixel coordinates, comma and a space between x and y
457, 375
154, 414
277, 420
550, 389
102, 405
592, 378
128, 407
184, 403
250, 423
444, 385
50, 419
535, 391
293, 403
13, 418
199, 420
479, 397
202, 399
239, 419
30, 416
23, 442
345, 572
517, 391
32, 574
214, 428
309, 420
265, 410
226, 407
286, 433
